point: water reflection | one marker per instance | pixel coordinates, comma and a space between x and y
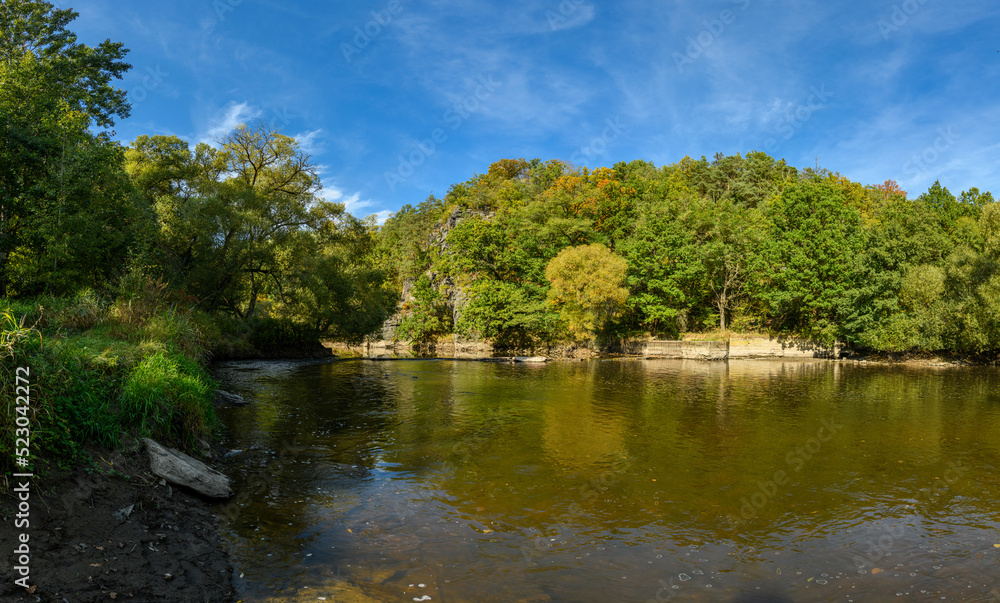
612, 480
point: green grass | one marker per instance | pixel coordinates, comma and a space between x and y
107, 372
167, 397
103, 374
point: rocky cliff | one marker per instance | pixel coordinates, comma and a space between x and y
452, 292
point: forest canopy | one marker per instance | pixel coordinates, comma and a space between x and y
544, 251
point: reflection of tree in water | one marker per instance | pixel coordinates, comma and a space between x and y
578, 437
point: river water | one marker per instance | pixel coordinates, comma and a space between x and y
612, 480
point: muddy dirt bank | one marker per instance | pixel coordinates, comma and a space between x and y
114, 533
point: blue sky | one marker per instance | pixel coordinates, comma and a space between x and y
398, 99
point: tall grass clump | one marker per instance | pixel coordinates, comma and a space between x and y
79, 389
13, 332
168, 397
71, 395
83, 311
148, 311
69, 398
46, 312
179, 329
16, 337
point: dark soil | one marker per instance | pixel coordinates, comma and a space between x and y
166, 549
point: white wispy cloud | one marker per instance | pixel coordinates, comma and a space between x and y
902, 144
228, 118
308, 141
353, 203
893, 23
563, 68
530, 96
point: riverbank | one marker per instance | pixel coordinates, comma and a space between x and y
91, 378
928, 359
116, 532
710, 346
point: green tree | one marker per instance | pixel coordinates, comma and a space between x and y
405, 238
748, 181
808, 265
82, 224
488, 248
271, 198
509, 314
973, 285
666, 276
332, 282
425, 314
243, 229
732, 239
37, 48
920, 321
957, 218
901, 236
228, 217
53, 169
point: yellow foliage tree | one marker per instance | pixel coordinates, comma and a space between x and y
587, 286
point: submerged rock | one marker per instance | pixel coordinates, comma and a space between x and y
178, 468
224, 398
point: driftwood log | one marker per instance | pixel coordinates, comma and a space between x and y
182, 470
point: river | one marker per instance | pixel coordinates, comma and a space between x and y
612, 480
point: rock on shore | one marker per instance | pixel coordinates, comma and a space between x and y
179, 468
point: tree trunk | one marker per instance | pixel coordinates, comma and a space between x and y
721, 303
253, 296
